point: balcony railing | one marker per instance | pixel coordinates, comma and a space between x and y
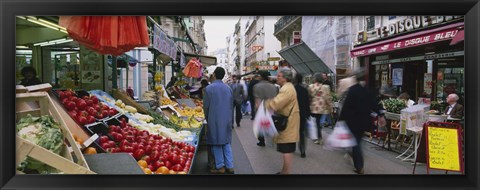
285, 20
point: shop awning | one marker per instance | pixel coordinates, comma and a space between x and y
205, 60
458, 38
303, 59
447, 32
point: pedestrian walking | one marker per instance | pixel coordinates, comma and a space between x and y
251, 97
218, 108
304, 106
239, 97
321, 105
263, 90
358, 108
243, 83
285, 103
326, 81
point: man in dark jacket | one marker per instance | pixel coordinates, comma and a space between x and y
326, 81
358, 109
251, 98
238, 97
304, 106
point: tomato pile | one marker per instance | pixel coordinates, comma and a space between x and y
84, 110
157, 152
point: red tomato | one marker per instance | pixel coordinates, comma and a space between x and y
105, 113
141, 146
155, 155
81, 120
103, 139
90, 119
68, 94
138, 154
105, 146
190, 155
61, 95
129, 149
111, 143
97, 107
118, 137
70, 105
168, 164
94, 99
89, 103
182, 162
177, 167
158, 164
111, 112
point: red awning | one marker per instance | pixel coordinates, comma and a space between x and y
416, 39
458, 38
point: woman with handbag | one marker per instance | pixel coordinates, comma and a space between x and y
287, 120
321, 104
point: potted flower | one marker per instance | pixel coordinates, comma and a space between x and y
393, 107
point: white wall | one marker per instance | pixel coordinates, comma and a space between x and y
272, 45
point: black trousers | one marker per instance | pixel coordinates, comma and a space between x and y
238, 113
357, 154
252, 106
303, 128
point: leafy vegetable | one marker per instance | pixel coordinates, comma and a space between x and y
42, 131
158, 119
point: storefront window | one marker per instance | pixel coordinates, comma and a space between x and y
450, 80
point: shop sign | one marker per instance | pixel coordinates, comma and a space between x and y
297, 37
427, 84
412, 23
405, 43
269, 67
397, 77
422, 57
257, 48
273, 59
163, 44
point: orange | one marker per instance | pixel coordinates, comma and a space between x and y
182, 173
142, 163
147, 171
90, 150
158, 172
172, 172
163, 170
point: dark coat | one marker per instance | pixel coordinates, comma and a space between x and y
31, 82
457, 111
303, 101
357, 109
250, 89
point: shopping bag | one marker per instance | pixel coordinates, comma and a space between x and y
263, 124
341, 137
312, 130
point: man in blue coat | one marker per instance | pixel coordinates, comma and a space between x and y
218, 109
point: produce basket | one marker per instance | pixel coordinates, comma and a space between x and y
121, 95
65, 162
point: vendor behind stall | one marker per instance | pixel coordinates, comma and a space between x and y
29, 77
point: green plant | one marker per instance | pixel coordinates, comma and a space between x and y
394, 105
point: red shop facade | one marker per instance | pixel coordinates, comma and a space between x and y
425, 63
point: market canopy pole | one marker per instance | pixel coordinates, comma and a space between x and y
114, 72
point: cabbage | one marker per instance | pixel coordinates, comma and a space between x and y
42, 131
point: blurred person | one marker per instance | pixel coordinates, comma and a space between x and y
172, 82
326, 81
263, 90
321, 105
238, 96
130, 92
218, 104
454, 109
358, 108
29, 76
285, 103
245, 94
204, 84
304, 106
406, 98
251, 97
388, 90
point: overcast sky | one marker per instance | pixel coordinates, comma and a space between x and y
217, 28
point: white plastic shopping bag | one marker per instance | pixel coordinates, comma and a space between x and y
263, 123
341, 137
312, 130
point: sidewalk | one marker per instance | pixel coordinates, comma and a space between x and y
252, 159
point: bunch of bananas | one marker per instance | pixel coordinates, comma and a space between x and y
158, 76
180, 83
191, 112
191, 122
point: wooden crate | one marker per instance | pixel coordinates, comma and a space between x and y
46, 107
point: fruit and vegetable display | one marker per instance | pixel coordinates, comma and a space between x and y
155, 154
42, 131
84, 110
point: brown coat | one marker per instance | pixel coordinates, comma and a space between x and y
321, 99
282, 104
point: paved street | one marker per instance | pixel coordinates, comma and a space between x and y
252, 159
